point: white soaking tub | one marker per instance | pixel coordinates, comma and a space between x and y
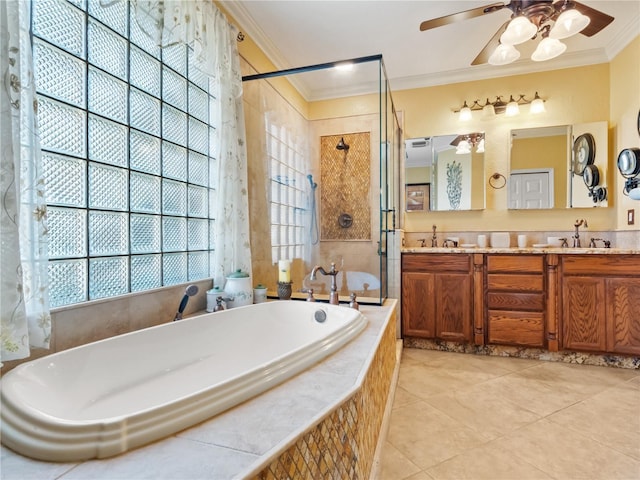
107, 397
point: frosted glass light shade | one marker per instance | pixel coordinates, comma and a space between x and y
488, 110
569, 23
519, 30
537, 106
504, 54
480, 147
465, 114
547, 49
513, 109
463, 147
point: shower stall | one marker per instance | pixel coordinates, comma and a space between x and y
323, 148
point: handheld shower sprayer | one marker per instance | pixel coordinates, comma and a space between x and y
190, 291
314, 185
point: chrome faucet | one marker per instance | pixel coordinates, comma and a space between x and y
333, 296
576, 236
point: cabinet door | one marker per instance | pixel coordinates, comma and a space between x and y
453, 307
418, 305
584, 314
623, 315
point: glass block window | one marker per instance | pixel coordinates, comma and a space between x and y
124, 129
288, 198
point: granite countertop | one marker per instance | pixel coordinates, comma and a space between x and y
527, 250
237, 443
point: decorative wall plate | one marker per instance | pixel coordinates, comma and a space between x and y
584, 152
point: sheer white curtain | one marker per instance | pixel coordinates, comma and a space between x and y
24, 299
200, 24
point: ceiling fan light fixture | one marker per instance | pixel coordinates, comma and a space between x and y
569, 23
547, 49
537, 105
513, 108
504, 54
519, 30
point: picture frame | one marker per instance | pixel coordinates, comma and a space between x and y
417, 197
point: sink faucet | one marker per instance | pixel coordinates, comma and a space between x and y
592, 242
449, 240
576, 236
434, 239
333, 296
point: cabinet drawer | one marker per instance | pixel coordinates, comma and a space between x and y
498, 281
600, 264
427, 262
515, 263
516, 328
515, 301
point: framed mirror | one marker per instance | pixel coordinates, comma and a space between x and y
562, 166
444, 173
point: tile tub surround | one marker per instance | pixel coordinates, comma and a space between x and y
258, 434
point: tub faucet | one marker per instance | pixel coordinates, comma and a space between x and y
576, 236
333, 296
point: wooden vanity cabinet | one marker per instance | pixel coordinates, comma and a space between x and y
600, 296
515, 300
437, 296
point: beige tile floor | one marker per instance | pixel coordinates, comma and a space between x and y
462, 416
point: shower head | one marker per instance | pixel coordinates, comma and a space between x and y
341, 145
190, 291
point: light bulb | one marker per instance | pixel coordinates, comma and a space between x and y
569, 23
519, 30
504, 54
547, 49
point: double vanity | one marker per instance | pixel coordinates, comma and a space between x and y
553, 299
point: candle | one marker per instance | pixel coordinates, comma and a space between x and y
284, 271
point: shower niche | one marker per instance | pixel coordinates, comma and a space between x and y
323, 146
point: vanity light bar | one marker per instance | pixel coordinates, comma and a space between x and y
497, 107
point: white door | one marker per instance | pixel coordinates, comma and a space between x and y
530, 189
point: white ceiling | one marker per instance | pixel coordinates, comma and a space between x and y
297, 33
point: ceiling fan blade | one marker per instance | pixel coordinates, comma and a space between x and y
485, 53
457, 17
599, 20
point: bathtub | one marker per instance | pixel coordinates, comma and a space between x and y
107, 397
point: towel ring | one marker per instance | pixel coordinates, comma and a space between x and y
495, 180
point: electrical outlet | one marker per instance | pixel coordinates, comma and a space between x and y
631, 214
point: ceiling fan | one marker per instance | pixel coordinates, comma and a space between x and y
530, 18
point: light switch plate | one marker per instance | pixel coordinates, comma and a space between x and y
631, 214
